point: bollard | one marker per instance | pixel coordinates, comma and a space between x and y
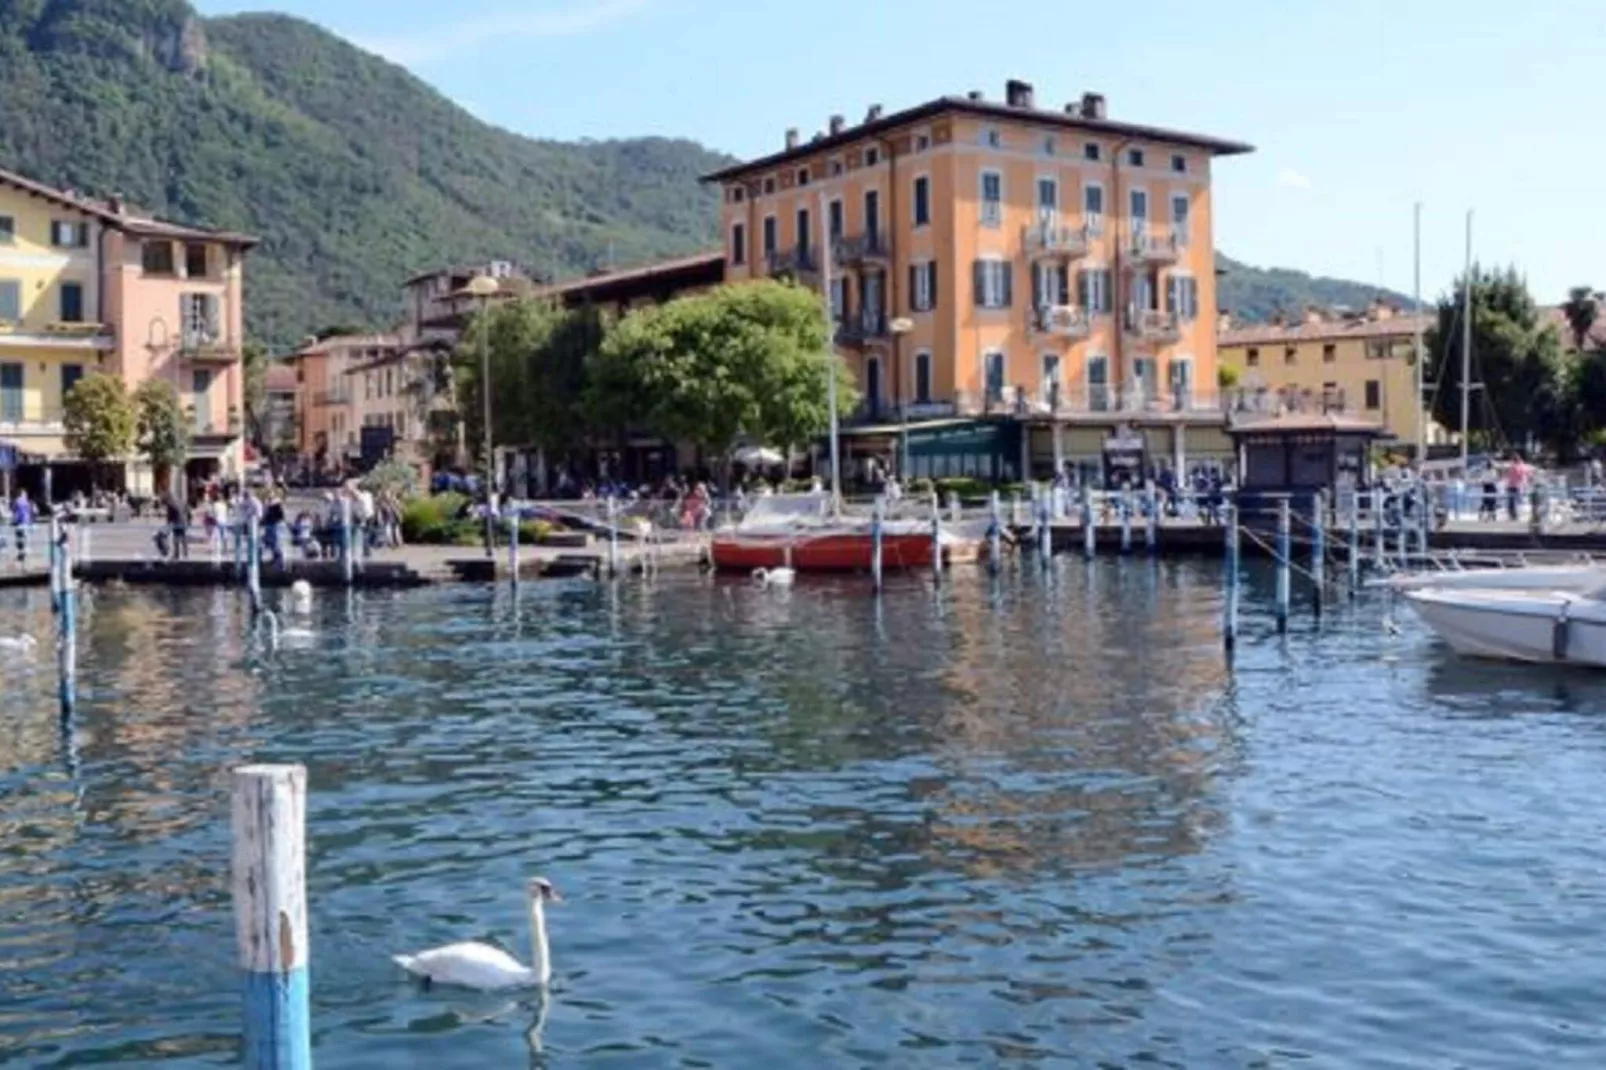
612, 510
1229, 614
1318, 548
67, 638
513, 548
348, 561
270, 913
1354, 542
253, 562
876, 515
54, 557
1090, 531
995, 533
936, 539
1126, 521
1379, 552
1151, 520
1284, 577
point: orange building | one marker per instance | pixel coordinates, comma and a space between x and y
327, 419
1048, 276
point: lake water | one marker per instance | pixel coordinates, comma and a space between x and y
1033, 823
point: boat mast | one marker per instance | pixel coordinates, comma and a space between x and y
830, 344
1421, 400
1466, 347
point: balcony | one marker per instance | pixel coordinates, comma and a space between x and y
61, 334
868, 248
1153, 326
1265, 401
206, 425
206, 348
795, 262
1154, 248
1061, 321
329, 399
18, 420
870, 325
1047, 238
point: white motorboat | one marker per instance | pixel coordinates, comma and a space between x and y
1576, 578
1552, 627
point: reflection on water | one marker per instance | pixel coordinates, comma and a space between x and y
1030, 820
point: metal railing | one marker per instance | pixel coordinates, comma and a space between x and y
869, 246
799, 260
1152, 245
1065, 321
19, 418
1047, 237
1152, 324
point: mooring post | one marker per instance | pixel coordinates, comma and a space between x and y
348, 560
54, 558
1151, 518
936, 539
1354, 542
1318, 548
1090, 531
1284, 576
1229, 614
1428, 512
270, 913
995, 533
1045, 541
513, 548
1379, 551
253, 562
611, 512
876, 515
67, 638
1126, 520
1402, 537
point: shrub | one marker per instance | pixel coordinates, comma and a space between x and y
435, 519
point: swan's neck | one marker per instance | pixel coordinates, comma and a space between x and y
540, 956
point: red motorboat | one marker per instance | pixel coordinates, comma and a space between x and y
798, 532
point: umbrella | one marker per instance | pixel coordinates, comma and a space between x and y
758, 457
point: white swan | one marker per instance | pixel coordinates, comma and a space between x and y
276, 635
776, 577
18, 644
301, 596
487, 968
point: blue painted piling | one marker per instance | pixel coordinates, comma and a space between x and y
936, 539
1151, 518
67, 634
253, 562
348, 558
876, 516
1045, 533
612, 508
1229, 614
1284, 560
1090, 531
1354, 542
995, 534
1402, 537
270, 913
513, 548
1318, 548
54, 557
1379, 551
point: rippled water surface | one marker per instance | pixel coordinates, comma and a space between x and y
1033, 823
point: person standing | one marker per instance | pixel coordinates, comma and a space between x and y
22, 518
178, 522
273, 528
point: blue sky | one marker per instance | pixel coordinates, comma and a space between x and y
1358, 108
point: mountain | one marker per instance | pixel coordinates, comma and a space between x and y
354, 173
1252, 294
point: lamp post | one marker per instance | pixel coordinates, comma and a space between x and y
484, 287
900, 327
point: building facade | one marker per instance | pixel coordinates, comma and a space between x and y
1360, 363
327, 418
1050, 272
90, 286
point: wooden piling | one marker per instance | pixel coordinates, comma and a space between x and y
270, 913
1284, 575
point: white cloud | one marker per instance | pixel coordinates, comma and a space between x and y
468, 34
1288, 178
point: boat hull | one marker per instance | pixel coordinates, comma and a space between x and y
845, 552
1554, 627
1578, 578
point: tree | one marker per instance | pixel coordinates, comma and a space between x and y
164, 432
1525, 396
1581, 309
748, 359
99, 420
254, 371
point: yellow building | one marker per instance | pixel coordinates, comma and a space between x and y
1356, 362
1046, 276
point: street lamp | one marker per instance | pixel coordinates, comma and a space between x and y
485, 287
900, 327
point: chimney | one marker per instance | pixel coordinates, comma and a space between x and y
116, 204
1019, 94
791, 138
1381, 310
873, 113
837, 124
1093, 106
974, 94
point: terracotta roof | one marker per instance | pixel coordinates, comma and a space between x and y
280, 379
345, 341
1259, 334
636, 273
118, 216
985, 109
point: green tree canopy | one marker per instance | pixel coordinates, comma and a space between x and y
99, 419
164, 433
1581, 308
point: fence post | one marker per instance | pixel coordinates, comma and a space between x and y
876, 515
995, 533
513, 546
269, 814
1284, 577
1090, 531
253, 562
348, 560
936, 539
1318, 547
1229, 616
